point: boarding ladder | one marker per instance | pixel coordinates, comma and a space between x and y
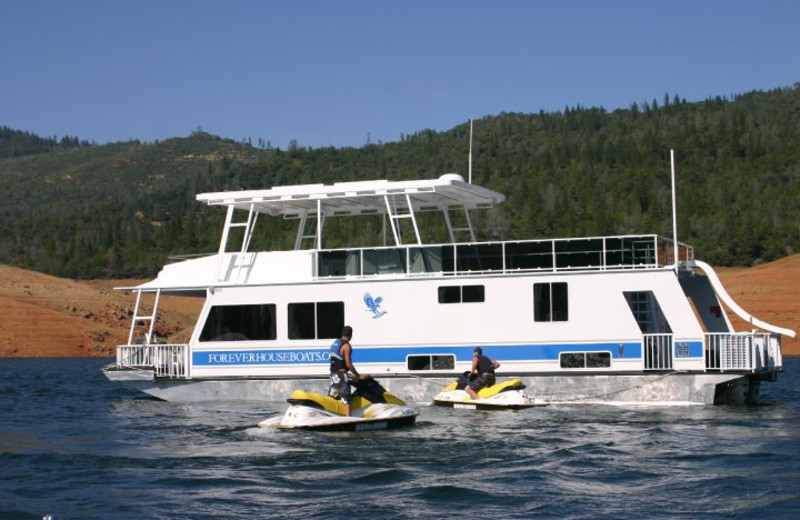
467, 228
240, 258
148, 320
314, 234
397, 213
144, 352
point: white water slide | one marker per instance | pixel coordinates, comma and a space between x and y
732, 305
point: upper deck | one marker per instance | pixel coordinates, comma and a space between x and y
398, 203
313, 203
356, 198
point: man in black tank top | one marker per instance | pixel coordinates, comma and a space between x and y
483, 368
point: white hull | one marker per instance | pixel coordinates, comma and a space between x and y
674, 388
508, 400
377, 416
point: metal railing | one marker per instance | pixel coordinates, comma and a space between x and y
554, 255
167, 360
751, 351
754, 351
657, 350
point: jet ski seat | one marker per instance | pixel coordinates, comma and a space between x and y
489, 391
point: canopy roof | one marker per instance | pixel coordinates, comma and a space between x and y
353, 198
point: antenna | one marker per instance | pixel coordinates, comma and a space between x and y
674, 211
470, 152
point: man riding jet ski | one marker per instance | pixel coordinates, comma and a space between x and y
507, 395
371, 408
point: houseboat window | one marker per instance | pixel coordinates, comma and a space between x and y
529, 255
431, 362
315, 320
450, 294
418, 362
577, 253
339, 263
550, 302
239, 323
425, 259
384, 261
479, 257
598, 359
572, 360
461, 294
585, 359
444, 362
472, 293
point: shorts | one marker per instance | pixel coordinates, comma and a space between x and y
340, 386
482, 381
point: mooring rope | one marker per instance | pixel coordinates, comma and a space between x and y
642, 381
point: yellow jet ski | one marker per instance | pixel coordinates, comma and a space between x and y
372, 408
505, 395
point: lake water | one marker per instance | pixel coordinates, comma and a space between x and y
75, 445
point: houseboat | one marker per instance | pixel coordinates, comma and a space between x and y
614, 319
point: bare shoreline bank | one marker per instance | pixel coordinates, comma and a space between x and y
47, 316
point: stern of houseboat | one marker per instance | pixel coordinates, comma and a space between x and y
149, 363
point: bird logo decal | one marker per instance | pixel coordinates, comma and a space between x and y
374, 305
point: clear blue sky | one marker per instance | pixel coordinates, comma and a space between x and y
332, 72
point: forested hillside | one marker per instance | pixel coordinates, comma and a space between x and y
16, 143
80, 210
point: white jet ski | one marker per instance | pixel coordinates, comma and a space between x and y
372, 408
506, 395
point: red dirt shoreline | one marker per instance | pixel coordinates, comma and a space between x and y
45, 316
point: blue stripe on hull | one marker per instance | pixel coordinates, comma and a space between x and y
501, 353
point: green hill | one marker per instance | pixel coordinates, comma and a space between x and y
119, 210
